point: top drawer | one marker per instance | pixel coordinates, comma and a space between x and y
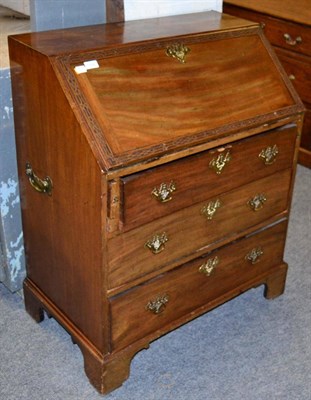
162, 190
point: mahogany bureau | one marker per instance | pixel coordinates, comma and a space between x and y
287, 25
156, 163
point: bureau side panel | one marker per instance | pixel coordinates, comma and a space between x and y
62, 231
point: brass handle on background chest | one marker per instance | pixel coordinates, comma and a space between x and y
254, 255
178, 51
40, 185
164, 192
208, 267
292, 42
257, 202
218, 163
269, 154
158, 305
157, 243
210, 209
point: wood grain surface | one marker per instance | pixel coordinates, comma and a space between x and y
291, 10
287, 25
194, 179
188, 230
147, 99
187, 288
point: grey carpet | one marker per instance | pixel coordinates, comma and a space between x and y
249, 348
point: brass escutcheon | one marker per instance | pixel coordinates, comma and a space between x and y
158, 305
268, 155
218, 163
178, 51
164, 192
257, 202
254, 255
208, 267
210, 209
157, 243
40, 185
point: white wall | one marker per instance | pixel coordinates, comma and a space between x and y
138, 9
21, 6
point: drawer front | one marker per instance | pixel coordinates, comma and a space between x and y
146, 249
288, 35
171, 187
298, 69
281, 33
158, 303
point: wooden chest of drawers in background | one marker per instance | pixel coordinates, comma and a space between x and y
156, 163
287, 25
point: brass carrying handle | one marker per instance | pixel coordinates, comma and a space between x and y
40, 185
292, 42
158, 305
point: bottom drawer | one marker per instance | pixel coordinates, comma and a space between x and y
157, 303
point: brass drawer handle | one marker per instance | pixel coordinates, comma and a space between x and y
290, 41
158, 305
218, 163
157, 243
254, 255
269, 154
164, 192
208, 267
257, 202
178, 51
292, 77
40, 185
210, 209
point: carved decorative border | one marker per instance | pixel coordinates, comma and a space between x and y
96, 137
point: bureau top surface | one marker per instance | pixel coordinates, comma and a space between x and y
292, 10
139, 97
85, 38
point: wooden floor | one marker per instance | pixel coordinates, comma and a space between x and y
10, 22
